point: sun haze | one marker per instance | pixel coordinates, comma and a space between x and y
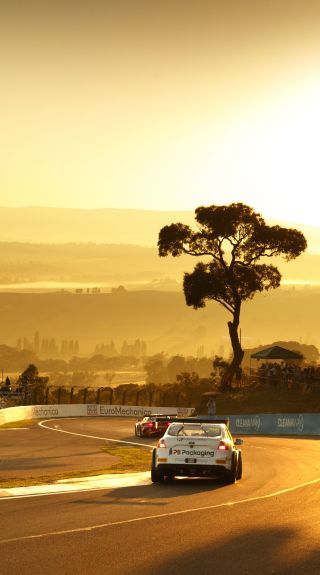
161, 105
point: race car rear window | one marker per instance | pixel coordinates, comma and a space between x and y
195, 430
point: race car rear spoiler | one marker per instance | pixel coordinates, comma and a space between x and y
200, 419
161, 415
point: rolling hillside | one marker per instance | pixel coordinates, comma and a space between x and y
105, 225
159, 318
111, 265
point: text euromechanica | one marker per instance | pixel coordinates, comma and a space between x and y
124, 411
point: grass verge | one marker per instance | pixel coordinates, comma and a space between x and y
132, 459
129, 459
18, 424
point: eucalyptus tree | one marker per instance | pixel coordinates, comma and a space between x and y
232, 240
33, 385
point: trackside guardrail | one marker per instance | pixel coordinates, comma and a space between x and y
20, 413
275, 424
250, 424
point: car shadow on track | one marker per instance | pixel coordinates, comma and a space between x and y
157, 494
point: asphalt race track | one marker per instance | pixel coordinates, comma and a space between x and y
268, 523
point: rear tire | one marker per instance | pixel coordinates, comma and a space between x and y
239, 467
157, 476
231, 474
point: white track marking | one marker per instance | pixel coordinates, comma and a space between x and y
41, 423
159, 516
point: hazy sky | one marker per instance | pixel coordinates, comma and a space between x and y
167, 104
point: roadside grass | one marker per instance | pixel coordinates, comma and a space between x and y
132, 459
268, 399
18, 424
127, 460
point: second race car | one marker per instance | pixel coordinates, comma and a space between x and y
153, 425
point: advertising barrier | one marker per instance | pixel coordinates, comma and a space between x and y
254, 424
275, 424
9, 414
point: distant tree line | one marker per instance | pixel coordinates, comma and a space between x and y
137, 349
48, 347
161, 369
14, 360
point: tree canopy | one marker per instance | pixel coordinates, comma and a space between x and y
232, 240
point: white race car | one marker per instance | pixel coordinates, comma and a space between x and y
198, 448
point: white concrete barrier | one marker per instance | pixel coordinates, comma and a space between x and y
20, 413
256, 424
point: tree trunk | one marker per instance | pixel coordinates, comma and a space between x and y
238, 353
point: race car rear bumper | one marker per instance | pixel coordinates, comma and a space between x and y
190, 470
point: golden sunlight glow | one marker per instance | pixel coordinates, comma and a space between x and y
135, 107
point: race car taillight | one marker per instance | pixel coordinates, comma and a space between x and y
223, 446
161, 443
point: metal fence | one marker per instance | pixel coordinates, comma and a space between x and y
129, 395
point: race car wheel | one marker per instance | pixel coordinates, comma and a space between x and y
231, 475
157, 476
239, 467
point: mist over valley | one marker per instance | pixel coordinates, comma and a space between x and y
161, 319
76, 265
107, 226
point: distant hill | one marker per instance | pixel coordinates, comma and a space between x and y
110, 265
105, 225
82, 264
161, 319
108, 226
